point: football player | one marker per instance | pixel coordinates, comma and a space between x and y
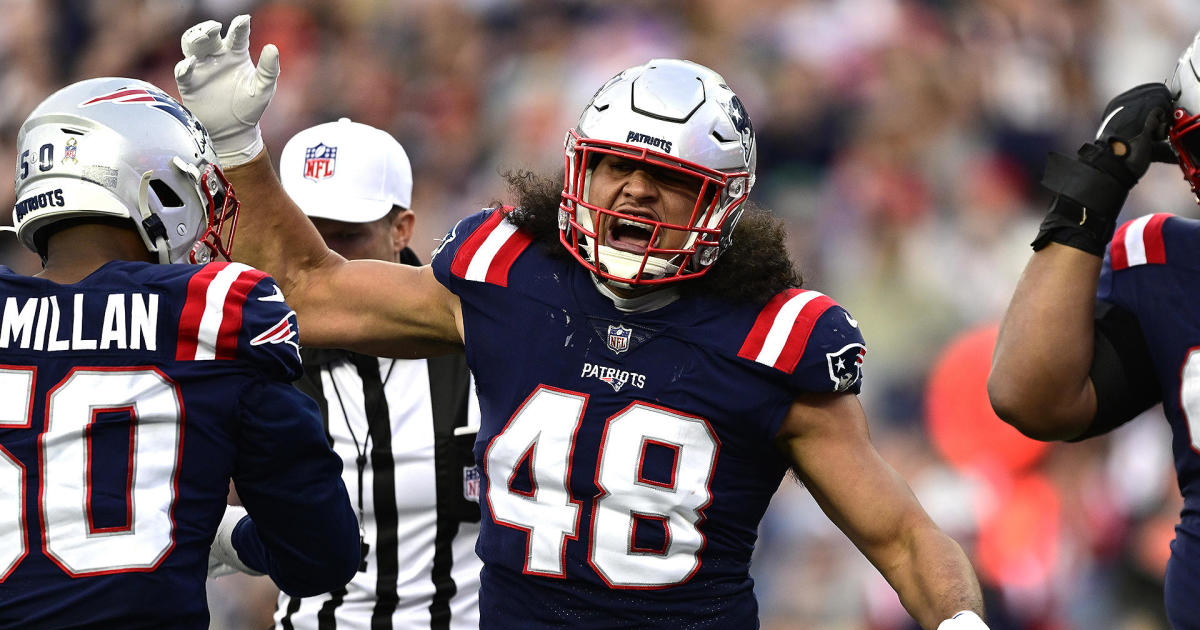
648, 368
1103, 326
133, 389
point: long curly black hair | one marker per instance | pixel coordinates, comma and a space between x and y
755, 268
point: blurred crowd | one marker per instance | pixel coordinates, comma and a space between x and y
901, 140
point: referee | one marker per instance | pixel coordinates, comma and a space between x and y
404, 428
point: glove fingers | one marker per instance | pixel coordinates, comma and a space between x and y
183, 71
202, 39
268, 66
238, 38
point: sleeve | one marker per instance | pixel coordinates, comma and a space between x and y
303, 531
236, 312
1122, 370
270, 332
481, 248
811, 340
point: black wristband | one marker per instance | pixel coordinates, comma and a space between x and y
1070, 224
1085, 184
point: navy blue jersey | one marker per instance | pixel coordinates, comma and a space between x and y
1152, 270
129, 400
627, 456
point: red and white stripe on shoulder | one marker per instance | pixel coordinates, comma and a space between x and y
1139, 242
782, 329
489, 252
212, 314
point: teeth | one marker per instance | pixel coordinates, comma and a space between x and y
632, 223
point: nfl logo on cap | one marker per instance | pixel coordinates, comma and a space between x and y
319, 162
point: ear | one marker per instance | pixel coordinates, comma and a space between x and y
402, 229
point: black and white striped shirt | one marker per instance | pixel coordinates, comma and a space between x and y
404, 430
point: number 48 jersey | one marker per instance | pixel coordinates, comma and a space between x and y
627, 456
127, 401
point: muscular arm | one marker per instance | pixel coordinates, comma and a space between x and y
825, 437
370, 306
1040, 380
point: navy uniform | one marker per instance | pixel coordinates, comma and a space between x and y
627, 456
129, 401
1152, 270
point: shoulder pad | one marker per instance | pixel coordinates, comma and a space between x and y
808, 335
481, 248
1139, 242
234, 311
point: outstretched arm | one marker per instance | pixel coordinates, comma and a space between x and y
825, 437
375, 307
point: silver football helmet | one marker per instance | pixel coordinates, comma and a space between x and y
671, 114
1184, 134
115, 147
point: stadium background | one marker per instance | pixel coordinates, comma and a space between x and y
901, 140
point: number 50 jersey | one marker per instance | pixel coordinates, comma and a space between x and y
127, 401
627, 456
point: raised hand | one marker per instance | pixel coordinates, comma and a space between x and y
224, 89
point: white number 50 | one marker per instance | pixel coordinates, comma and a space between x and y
67, 458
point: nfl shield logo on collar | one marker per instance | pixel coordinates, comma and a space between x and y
319, 162
618, 338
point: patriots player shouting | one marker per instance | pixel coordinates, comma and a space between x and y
132, 389
648, 368
1099, 331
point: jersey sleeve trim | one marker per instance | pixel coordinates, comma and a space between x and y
1139, 242
782, 329
489, 253
211, 319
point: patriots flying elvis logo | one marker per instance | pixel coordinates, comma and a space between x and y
159, 100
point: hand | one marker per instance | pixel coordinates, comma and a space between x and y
1132, 134
965, 620
220, 85
1091, 187
222, 556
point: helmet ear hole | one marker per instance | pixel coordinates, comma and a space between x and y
166, 196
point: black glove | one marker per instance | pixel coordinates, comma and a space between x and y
1091, 187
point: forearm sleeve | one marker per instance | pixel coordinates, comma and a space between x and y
1122, 370
303, 531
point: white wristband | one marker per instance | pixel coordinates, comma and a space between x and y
964, 620
222, 556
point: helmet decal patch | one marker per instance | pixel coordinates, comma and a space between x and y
51, 199
741, 122
658, 143
161, 101
69, 152
319, 162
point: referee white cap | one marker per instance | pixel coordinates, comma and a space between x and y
346, 171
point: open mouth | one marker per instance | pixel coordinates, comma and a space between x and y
631, 236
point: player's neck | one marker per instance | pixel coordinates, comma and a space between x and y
77, 251
636, 300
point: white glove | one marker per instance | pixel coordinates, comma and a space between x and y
222, 557
220, 85
965, 620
